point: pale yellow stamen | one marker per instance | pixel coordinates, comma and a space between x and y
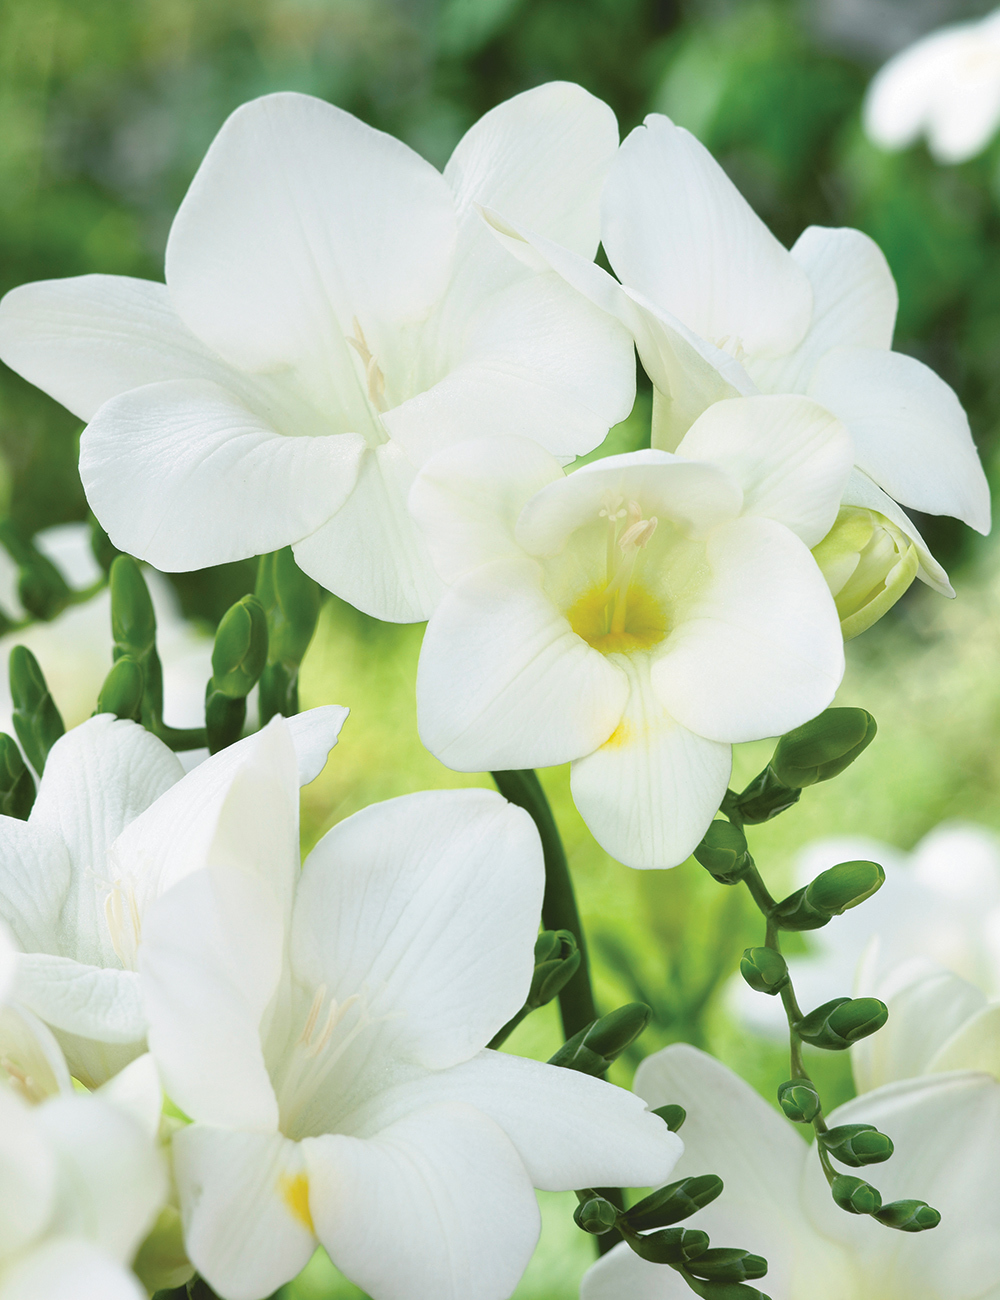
21, 1082
374, 377
620, 616
121, 911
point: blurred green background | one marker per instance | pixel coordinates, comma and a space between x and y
106, 107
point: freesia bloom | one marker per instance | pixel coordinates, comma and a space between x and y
719, 307
776, 1202
325, 1029
77, 877
335, 311
637, 616
945, 86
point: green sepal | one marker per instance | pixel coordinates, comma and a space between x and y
17, 787
42, 589
673, 1116
799, 1100
592, 1049
764, 969
673, 1203
240, 650
765, 797
122, 691
908, 1216
670, 1245
723, 852
37, 721
823, 748
595, 1215
728, 1264
837, 1024
855, 1195
557, 960
857, 1145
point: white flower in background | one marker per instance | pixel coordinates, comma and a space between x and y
941, 902
335, 311
946, 87
637, 616
325, 1028
77, 877
719, 307
74, 649
776, 1202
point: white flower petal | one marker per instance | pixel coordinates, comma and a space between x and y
759, 649
314, 733
649, 792
622, 1275
36, 876
438, 1206
31, 1048
300, 220
91, 1001
973, 1046
966, 115
910, 433
370, 553
27, 1176
245, 1205
428, 905
467, 500
67, 1268
137, 1091
790, 456
503, 682
210, 962
903, 92
861, 491
677, 229
183, 474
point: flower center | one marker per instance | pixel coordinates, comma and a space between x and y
121, 912
621, 615
374, 377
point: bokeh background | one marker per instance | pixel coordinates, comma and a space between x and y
106, 107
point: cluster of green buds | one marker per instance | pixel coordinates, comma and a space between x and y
238, 659
557, 959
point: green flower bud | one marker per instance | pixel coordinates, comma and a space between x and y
36, 719
121, 693
799, 1100
839, 1023
291, 602
822, 748
855, 1195
133, 626
728, 1264
17, 789
764, 970
672, 1116
673, 1203
908, 1216
240, 650
670, 1245
596, 1215
857, 1145
765, 797
42, 589
844, 886
868, 563
224, 719
103, 549
723, 852
593, 1048
557, 960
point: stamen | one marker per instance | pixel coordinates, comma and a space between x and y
373, 373
21, 1082
123, 931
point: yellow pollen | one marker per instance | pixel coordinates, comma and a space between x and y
645, 623
294, 1189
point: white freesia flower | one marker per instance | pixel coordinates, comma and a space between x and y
77, 877
946, 87
637, 616
719, 307
776, 1202
335, 311
325, 1028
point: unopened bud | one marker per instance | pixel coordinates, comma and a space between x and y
856, 1145
596, 1215
908, 1216
765, 797
855, 1195
673, 1116
557, 960
764, 969
723, 852
673, 1203
839, 1023
593, 1048
799, 1100
291, 602
822, 748
728, 1264
868, 562
37, 721
121, 693
17, 789
240, 650
133, 622
670, 1245
41, 588
844, 886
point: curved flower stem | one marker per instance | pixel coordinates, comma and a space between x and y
559, 910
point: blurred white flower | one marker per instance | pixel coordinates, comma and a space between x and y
77, 877
635, 617
776, 1202
325, 1027
335, 311
946, 87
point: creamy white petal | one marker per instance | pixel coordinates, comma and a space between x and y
791, 457
370, 553
676, 228
503, 682
27, 1176
8, 961
910, 433
975, 1045
93, 1001
183, 474
438, 1206
137, 1091
66, 1268
36, 876
428, 905
314, 733
861, 491
467, 500
759, 649
245, 1206
649, 792
301, 220
966, 116
30, 1055
622, 1275
903, 92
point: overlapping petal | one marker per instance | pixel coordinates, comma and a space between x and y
67, 1266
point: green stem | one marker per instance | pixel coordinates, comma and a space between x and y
559, 910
